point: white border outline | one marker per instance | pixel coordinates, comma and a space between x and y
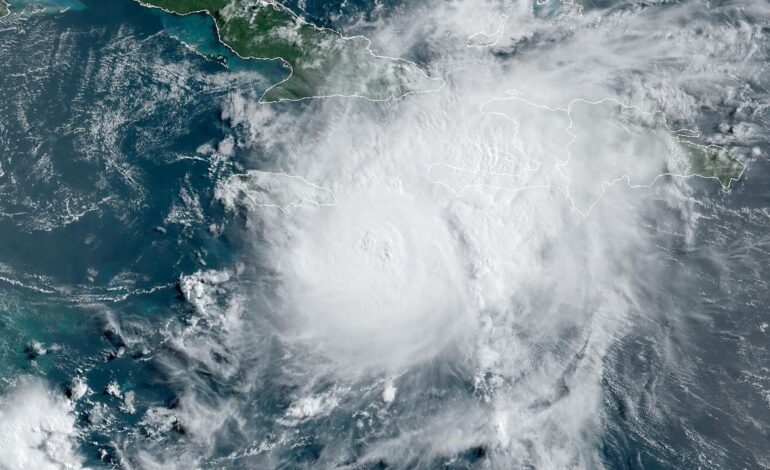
298, 19
681, 135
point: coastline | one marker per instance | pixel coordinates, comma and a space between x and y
288, 63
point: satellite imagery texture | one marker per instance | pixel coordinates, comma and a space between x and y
384, 234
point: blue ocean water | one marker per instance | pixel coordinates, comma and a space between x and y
46, 6
693, 367
100, 137
111, 155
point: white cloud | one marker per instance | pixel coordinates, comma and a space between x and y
449, 239
37, 429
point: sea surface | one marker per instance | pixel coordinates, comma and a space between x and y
146, 299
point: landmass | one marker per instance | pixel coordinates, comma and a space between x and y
321, 61
278, 190
713, 161
583, 149
5, 9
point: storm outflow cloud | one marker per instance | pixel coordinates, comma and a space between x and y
493, 239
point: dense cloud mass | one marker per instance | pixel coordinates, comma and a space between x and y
454, 268
37, 429
551, 257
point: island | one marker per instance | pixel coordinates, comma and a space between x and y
5, 9
589, 147
321, 62
713, 161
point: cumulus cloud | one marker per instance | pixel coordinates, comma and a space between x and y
37, 429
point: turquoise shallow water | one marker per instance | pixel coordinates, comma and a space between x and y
199, 33
92, 236
114, 139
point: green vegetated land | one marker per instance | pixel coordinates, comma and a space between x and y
4, 9
702, 158
184, 7
322, 61
713, 161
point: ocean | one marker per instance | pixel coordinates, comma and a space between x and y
192, 278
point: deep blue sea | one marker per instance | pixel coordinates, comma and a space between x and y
114, 137
106, 200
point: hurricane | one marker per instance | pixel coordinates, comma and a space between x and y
354, 235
